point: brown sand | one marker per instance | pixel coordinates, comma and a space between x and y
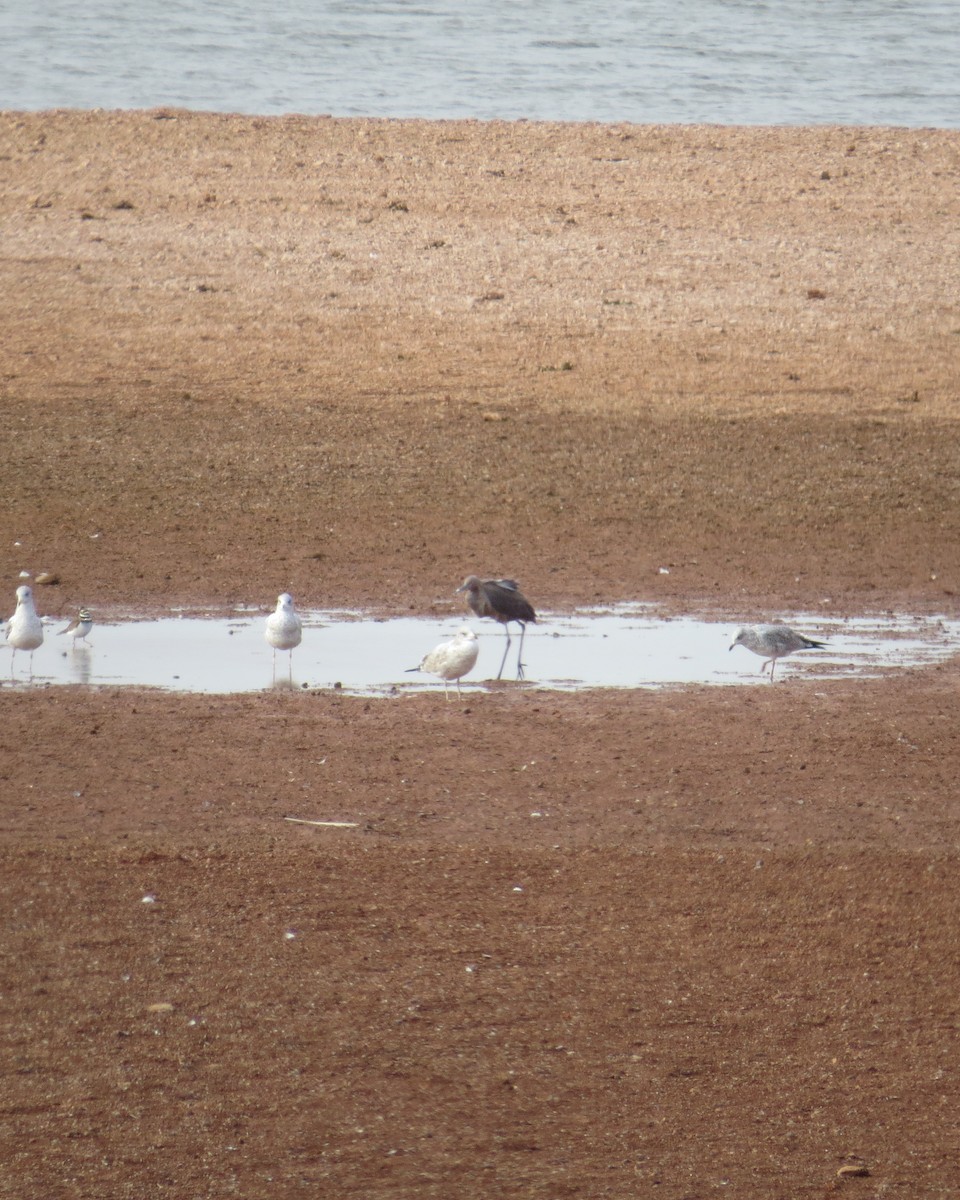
676, 944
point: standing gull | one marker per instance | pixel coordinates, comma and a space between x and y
283, 630
772, 642
24, 630
453, 659
79, 627
502, 600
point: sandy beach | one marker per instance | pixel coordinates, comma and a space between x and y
639, 943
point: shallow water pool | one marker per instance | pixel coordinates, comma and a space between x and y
629, 646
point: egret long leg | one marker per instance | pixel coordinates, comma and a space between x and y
523, 630
506, 650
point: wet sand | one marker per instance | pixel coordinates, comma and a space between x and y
601, 944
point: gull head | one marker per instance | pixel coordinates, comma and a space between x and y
739, 638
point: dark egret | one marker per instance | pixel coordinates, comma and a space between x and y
502, 600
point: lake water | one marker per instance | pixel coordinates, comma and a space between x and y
629, 646
863, 62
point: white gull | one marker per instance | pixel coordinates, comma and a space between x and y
284, 629
452, 659
24, 629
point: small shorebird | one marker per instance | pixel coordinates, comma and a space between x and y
284, 630
502, 600
79, 627
772, 642
452, 659
24, 630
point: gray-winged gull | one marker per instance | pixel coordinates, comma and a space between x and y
772, 642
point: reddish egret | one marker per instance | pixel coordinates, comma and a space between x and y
24, 630
283, 630
79, 627
502, 600
453, 659
772, 642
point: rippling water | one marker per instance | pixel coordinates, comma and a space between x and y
863, 62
